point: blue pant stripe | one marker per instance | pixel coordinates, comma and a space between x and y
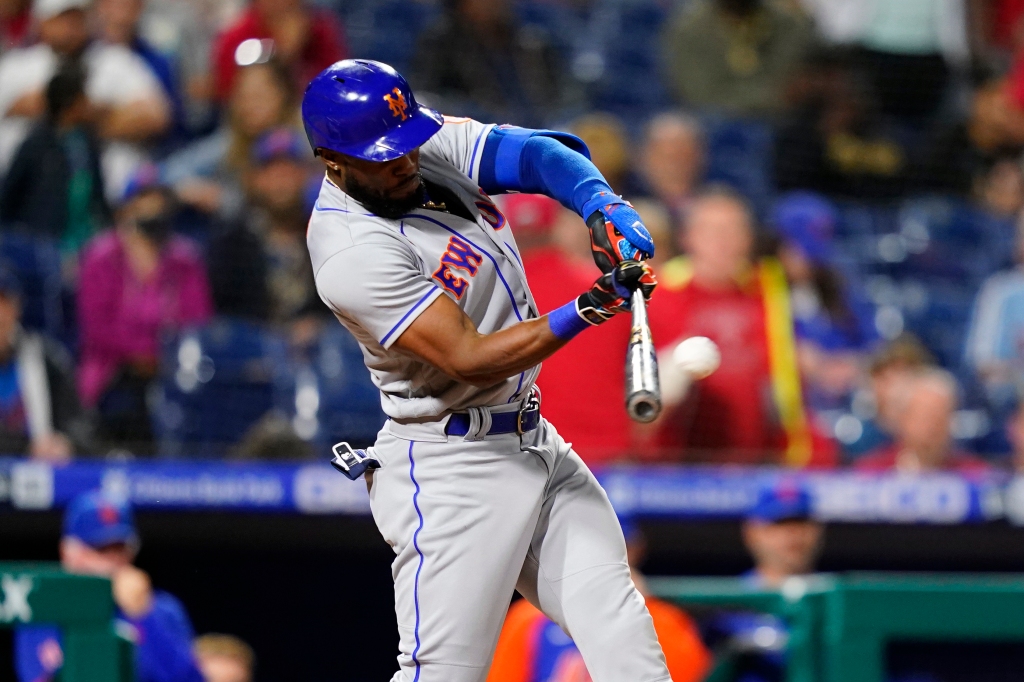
415, 544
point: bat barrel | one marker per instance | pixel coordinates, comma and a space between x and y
643, 393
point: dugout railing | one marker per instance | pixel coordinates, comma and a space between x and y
81, 606
839, 625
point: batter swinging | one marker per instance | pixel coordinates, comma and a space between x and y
475, 492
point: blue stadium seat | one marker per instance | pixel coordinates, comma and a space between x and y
627, 35
740, 155
348, 404
215, 383
942, 323
386, 30
956, 242
36, 261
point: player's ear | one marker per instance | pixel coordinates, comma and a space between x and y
331, 158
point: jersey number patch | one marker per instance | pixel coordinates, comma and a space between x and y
459, 256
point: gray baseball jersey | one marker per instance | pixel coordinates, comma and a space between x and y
378, 275
472, 518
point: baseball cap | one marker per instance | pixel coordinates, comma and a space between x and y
282, 143
530, 214
100, 520
808, 221
145, 177
783, 501
47, 9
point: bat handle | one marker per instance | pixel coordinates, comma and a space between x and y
643, 392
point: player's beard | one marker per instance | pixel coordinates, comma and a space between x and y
383, 205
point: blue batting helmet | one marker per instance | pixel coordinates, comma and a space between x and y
365, 109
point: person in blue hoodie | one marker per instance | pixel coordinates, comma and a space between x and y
100, 538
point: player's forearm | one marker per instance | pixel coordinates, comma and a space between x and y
443, 336
486, 359
135, 122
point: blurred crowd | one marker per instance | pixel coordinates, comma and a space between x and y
834, 187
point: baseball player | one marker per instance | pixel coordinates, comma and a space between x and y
100, 538
475, 492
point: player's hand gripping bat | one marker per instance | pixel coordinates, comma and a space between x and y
643, 393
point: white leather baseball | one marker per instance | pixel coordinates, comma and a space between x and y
697, 356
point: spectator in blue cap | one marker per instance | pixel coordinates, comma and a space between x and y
260, 268
781, 534
784, 541
39, 410
834, 328
100, 538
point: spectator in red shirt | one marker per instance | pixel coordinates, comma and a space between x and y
305, 38
924, 440
556, 257
15, 21
751, 409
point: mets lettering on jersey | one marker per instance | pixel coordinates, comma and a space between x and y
459, 256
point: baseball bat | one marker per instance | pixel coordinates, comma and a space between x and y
643, 392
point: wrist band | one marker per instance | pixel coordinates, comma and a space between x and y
566, 322
599, 201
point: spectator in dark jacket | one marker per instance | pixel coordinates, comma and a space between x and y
54, 187
734, 56
833, 139
477, 61
260, 268
39, 409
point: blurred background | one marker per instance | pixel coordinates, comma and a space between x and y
835, 188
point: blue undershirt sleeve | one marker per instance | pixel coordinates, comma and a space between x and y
558, 165
541, 162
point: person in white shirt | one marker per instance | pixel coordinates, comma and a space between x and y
130, 106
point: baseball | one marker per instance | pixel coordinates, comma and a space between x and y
698, 356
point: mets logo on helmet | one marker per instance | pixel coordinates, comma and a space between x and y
397, 103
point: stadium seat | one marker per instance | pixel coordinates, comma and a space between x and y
215, 383
347, 405
386, 30
954, 240
739, 154
36, 262
942, 322
626, 35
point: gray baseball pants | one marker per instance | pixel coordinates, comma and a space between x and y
472, 520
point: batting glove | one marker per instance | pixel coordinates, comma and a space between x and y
612, 291
617, 233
